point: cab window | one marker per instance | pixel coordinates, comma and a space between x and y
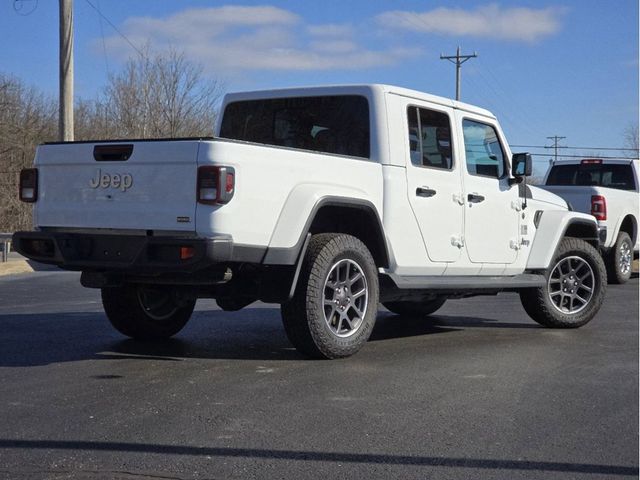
484, 154
330, 124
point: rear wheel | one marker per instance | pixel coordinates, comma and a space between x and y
146, 312
334, 307
620, 259
574, 290
415, 309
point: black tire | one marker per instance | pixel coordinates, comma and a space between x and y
575, 287
619, 260
146, 312
335, 328
415, 309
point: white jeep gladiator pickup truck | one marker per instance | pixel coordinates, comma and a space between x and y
608, 190
327, 200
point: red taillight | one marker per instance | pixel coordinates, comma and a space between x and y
29, 185
591, 161
187, 252
216, 185
229, 183
599, 207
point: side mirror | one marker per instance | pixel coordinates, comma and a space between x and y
521, 165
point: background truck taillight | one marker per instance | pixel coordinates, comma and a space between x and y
599, 207
28, 185
216, 185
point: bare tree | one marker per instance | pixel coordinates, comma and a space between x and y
164, 95
631, 140
27, 118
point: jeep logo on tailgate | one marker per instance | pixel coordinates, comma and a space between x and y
122, 181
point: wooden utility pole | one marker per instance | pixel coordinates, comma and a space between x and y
458, 60
65, 119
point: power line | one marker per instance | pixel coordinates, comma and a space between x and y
19, 4
104, 44
556, 144
580, 148
116, 29
532, 121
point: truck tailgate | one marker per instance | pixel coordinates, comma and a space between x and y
578, 196
147, 185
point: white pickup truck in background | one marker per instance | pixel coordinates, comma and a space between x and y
608, 190
327, 200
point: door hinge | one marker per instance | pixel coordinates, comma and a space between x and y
457, 241
516, 205
459, 199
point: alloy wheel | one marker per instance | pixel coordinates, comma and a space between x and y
346, 297
571, 285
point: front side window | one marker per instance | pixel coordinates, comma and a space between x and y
333, 124
430, 138
483, 151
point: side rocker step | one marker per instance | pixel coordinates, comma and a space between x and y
476, 282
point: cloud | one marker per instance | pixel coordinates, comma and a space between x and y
489, 21
331, 30
235, 39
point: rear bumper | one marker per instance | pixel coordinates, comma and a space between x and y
137, 254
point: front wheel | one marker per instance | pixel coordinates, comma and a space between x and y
574, 290
334, 307
146, 312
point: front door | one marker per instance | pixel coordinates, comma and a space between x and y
491, 204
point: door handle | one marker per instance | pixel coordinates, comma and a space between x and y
475, 198
425, 192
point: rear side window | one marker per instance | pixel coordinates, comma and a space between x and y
483, 151
332, 124
430, 138
595, 174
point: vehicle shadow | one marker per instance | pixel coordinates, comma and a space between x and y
517, 467
390, 326
251, 334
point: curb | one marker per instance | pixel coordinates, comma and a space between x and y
14, 267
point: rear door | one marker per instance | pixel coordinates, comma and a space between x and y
433, 180
118, 185
491, 204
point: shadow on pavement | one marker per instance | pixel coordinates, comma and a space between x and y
252, 334
315, 456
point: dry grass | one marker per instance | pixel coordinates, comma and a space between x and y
14, 266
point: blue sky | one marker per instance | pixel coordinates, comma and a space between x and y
545, 68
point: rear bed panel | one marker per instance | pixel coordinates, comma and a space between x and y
153, 190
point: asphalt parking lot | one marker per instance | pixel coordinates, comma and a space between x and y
478, 392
